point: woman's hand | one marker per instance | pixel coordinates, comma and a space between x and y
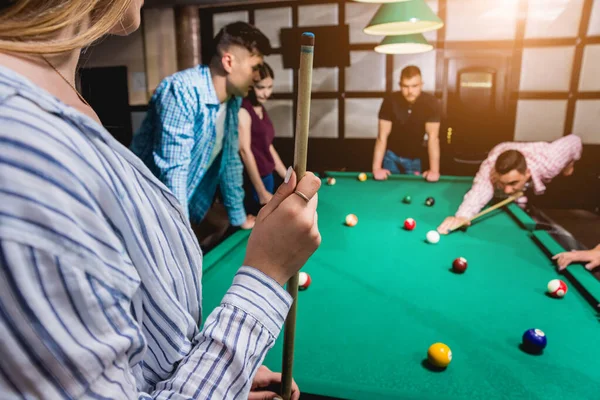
286, 233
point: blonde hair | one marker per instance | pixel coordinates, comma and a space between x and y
34, 26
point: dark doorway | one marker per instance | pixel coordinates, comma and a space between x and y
107, 92
475, 102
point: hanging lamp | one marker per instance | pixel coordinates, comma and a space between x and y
404, 44
402, 18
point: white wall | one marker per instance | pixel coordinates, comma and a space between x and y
151, 56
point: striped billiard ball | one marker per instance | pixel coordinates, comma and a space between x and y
557, 288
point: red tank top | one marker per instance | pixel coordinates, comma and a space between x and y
261, 138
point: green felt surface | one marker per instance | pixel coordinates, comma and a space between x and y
381, 295
523, 219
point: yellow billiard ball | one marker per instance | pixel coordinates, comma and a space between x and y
439, 355
362, 177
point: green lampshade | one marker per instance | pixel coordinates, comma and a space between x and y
379, 1
404, 44
402, 18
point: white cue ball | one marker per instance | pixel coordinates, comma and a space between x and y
433, 237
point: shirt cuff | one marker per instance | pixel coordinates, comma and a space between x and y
237, 217
464, 214
260, 296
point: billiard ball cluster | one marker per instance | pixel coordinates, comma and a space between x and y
439, 354
429, 202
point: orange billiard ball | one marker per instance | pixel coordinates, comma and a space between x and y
351, 220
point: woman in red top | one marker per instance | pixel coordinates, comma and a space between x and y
256, 134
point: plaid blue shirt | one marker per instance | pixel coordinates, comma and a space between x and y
177, 139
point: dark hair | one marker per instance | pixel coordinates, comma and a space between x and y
409, 72
509, 160
244, 35
264, 71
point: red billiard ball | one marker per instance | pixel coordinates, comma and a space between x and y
557, 288
460, 265
410, 224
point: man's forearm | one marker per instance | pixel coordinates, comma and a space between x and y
378, 153
233, 192
475, 199
433, 147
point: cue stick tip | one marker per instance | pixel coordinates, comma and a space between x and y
308, 39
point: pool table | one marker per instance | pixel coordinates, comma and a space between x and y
381, 295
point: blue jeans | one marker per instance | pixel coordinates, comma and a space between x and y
401, 165
269, 183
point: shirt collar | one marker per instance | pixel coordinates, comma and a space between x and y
208, 96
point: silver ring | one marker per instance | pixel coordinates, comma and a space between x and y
302, 196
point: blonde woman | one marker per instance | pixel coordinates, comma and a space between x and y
100, 273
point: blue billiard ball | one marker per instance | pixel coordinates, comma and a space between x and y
534, 340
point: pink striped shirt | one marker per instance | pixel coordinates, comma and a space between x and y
544, 160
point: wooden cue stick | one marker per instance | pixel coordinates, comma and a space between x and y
307, 44
492, 208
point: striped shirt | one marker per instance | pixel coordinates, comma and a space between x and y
176, 141
100, 272
544, 160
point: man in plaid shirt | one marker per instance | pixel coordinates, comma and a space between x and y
512, 167
189, 137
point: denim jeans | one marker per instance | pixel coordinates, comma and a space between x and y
269, 183
401, 165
